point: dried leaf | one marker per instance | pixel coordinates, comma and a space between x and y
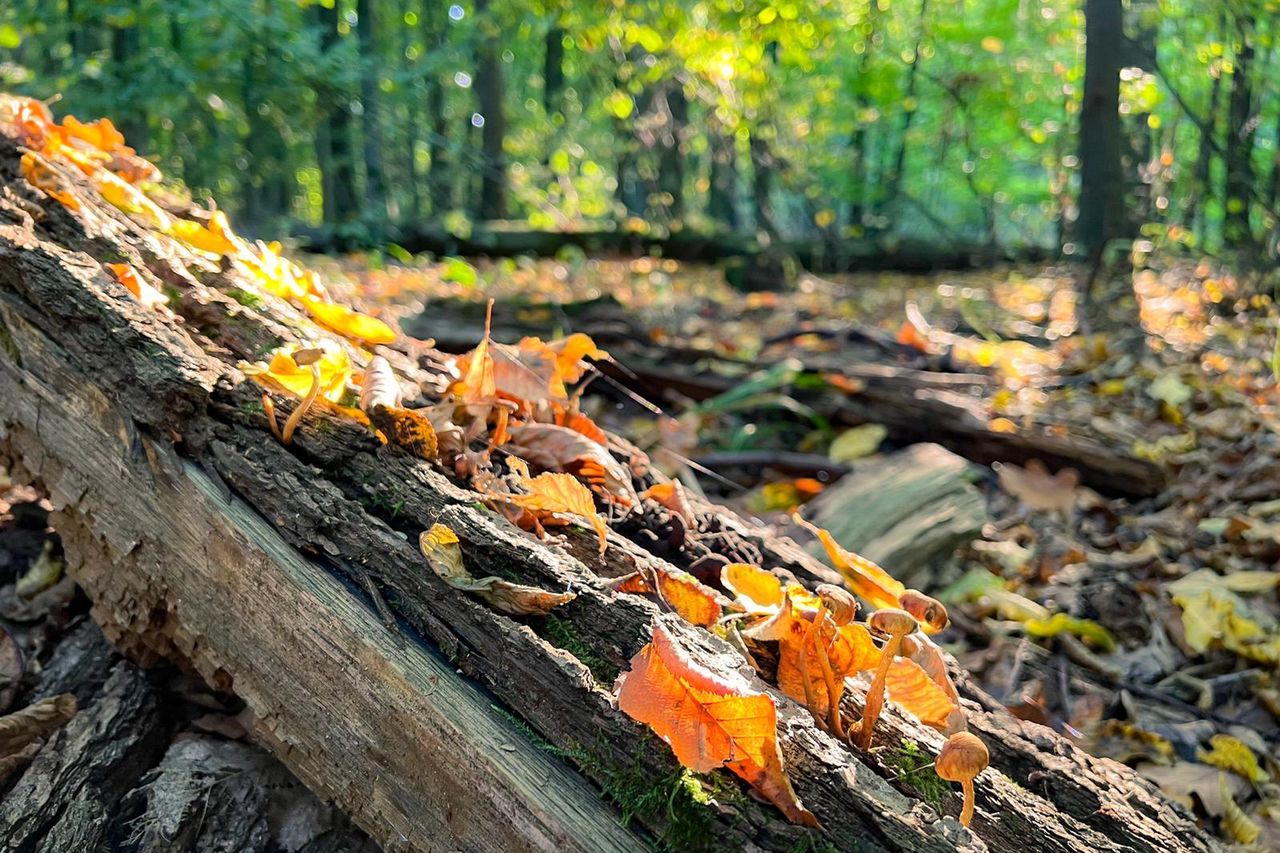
45, 570
687, 596
848, 649
757, 590
348, 323
866, 579
37, 172
912, 688
407, 429
1229, 753
378, 386
216, 237
924, 653
709, 721
1037, 488
1236, 823
583, 425
444, 554
548, 447
137, 285
126, 197
549, 494
1086, 629
38, 720
101, 134
858, 442
670, 495
440, 546
13, 667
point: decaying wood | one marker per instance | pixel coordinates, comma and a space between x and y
203, 541
910, 394
909, 509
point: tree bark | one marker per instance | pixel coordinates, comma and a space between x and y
1102, 203
205, 542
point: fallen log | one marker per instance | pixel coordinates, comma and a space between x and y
288, 574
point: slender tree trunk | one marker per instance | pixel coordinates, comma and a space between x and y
413, 120
1201, 188
722, 205
553, 73
893, 184
763, 162
671, 160
1101, 177
126, 43
1242, 127
489, 96
375, 190
439, 179
333, 140
858, 141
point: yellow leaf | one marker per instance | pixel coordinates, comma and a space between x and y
757, 590
709, 721
335, 371
352, 324
44, 571
216, 237
444, 554
1234, 820
128, 198
100, 134
556, 493
857, 442
1229, 753
687, 596
1086, 629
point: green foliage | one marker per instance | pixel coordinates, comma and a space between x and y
811, 107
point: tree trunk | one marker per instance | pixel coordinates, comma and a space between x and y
892, 199
671, 154
553, 73
126, 43
442, 724
1202, 187
375, 190
489, 97
439, 177
1102, 203
722, 199
1242, 126
334, 148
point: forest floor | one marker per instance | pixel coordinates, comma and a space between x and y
1143, 628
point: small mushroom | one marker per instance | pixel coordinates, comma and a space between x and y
897, 624
962, 758
839, 603
304, 358
928, 611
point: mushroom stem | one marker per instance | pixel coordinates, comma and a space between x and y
875, 695
810, 700
270, 409
295, 417
833, 697
966, 813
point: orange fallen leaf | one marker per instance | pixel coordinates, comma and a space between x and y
216, 237
101, 134
549, 494
925, 654
670, 495
580, 423
693, 600
555, 448
757, 590
42, 176
709, 720
912, 688
848, 649
137, 285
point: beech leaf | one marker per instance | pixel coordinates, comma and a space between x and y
709, 720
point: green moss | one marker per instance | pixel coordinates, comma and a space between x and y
8, 345
676, 806
561, 634
252, 408
914, 769
247, 299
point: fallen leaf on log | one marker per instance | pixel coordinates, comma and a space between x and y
21, 728
444, 554
555, 494
351, 324
1037, 488
43, 573
709, 721
137, 285
695, 602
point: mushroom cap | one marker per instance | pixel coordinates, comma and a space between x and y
839, 603
308, 356
929, 611
963, 757
892, 621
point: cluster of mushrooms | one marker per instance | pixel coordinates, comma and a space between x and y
964, 755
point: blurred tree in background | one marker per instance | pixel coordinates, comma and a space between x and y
976, 123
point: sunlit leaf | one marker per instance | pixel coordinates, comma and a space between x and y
709, 720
